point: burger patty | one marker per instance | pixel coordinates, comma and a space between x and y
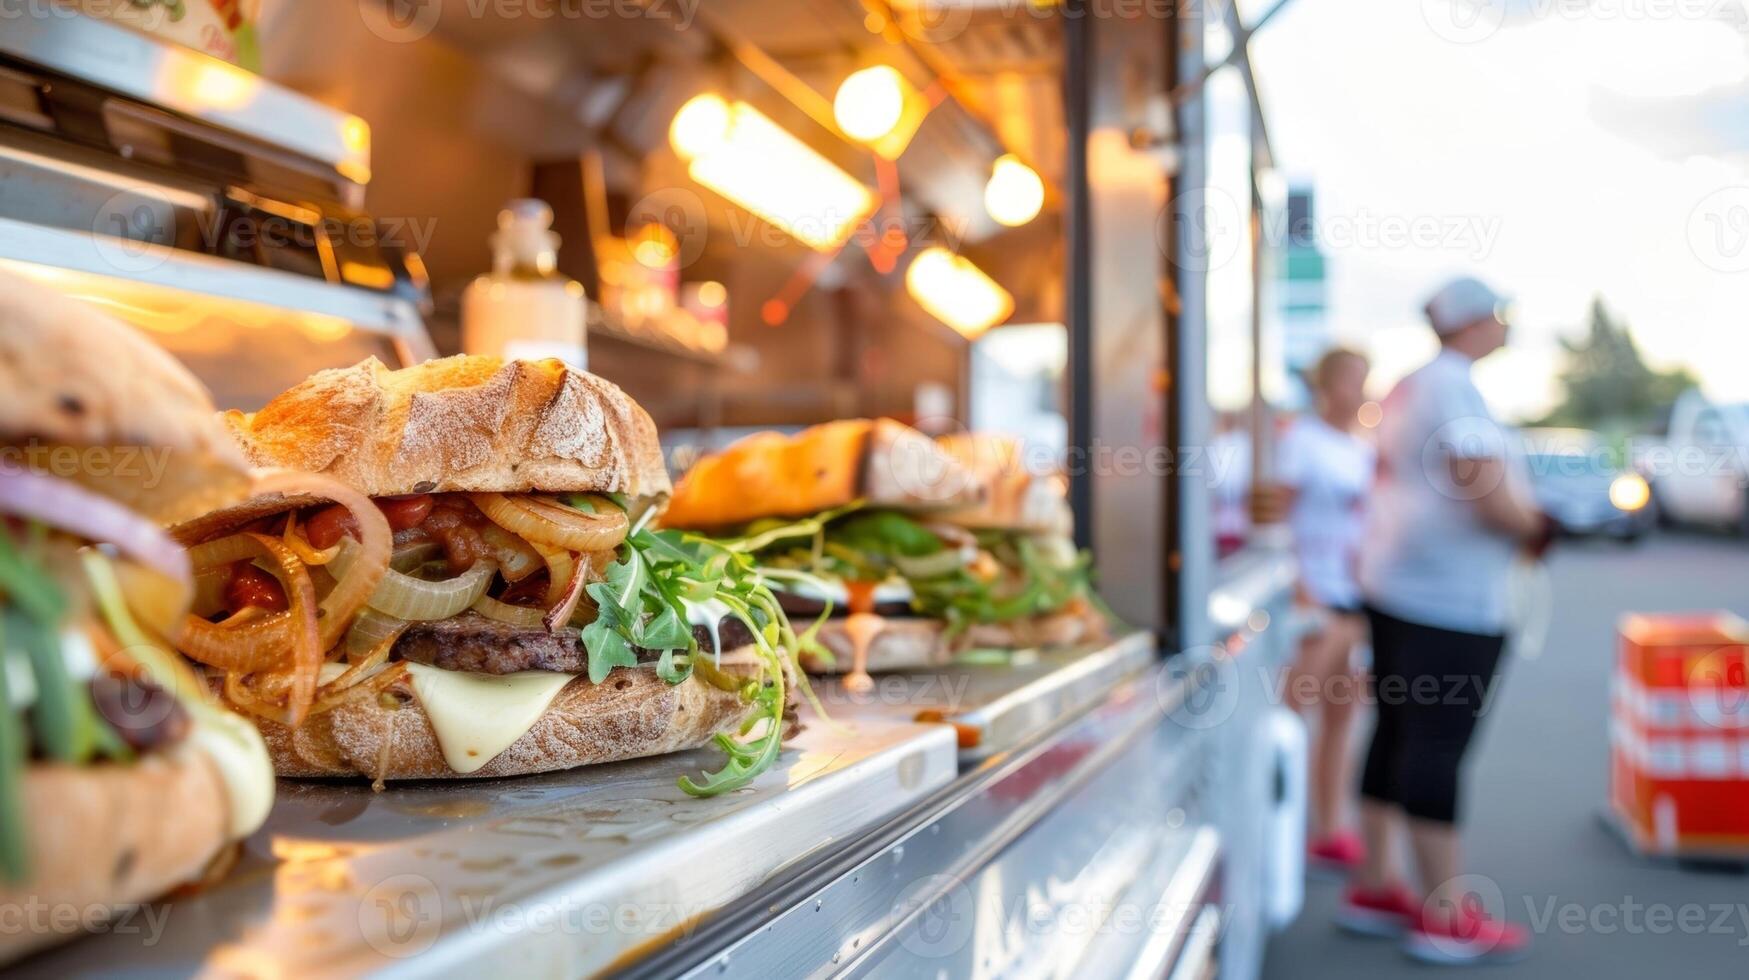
804, 607
475, 644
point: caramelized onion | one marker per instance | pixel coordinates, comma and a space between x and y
405, 597
261, 645
561, 568
545, 523
369, 631
526, 616
265, 643
370, 565
560, 614
409, 556
517, 559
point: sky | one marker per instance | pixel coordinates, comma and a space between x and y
1558, 149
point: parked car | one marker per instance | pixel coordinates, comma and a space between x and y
1701, 477
1585, 487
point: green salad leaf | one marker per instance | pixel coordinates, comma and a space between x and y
14, 849
1031, 575
64, 724
646, 603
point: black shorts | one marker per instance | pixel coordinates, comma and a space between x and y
1431, 686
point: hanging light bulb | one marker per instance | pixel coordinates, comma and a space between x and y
1015, 194
879, 108
870, 103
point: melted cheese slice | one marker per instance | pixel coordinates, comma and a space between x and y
477, 716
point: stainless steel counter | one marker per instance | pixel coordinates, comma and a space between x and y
567, 874
998, 704
1056, 814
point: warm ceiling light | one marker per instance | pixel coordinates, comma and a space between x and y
881, 108
735, 150
1015, 194
701, 125
956, 292
870, 103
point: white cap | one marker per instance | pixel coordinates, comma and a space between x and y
1462, 302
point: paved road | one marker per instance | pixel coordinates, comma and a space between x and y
1537, 779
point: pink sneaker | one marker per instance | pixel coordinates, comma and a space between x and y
1337, 854
1387, 912
1465, 937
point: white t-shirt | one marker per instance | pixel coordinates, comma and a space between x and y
1331, 472
1229, 463
1428, 558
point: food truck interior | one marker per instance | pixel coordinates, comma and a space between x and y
1049, 227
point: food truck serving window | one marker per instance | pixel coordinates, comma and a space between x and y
244, 352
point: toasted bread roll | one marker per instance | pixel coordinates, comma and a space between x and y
91, 400
769, 474
1016, 498
462, 423
106, 836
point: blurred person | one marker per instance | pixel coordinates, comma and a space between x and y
1327, 470
1451, 508
1229, 460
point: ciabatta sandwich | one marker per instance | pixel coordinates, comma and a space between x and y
451, 573
120, 779
862, 524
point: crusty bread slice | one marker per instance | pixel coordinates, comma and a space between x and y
1016, 498
462, 423
883, 462
105, 836
630, 714
90, 399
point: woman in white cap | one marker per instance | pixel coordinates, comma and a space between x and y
1451, 508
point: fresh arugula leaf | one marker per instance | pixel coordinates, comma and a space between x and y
667, 631
642, 604
748, 759
625, 579
670, 546
607, 650
669, 671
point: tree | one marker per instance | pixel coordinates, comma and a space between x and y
1607, 384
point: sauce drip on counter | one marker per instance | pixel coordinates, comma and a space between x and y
861, 628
